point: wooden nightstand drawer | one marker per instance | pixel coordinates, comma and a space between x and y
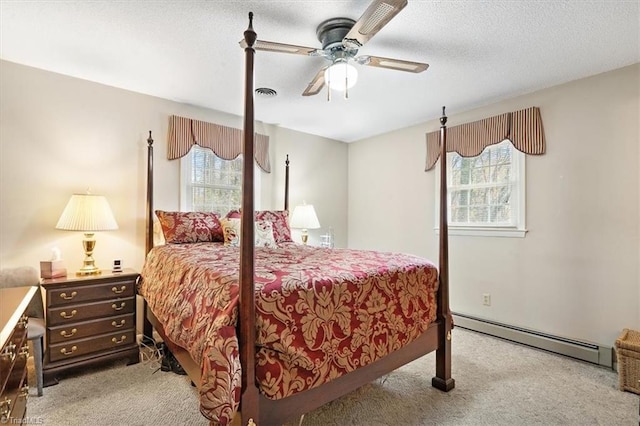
86, 346
19, 369
89, 320
10, 353
74, 313
66, 333
78, 294
14, 352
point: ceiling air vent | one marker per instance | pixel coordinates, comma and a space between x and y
265, 92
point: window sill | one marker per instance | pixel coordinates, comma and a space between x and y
486, 232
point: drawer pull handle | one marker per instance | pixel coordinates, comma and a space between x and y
116, 291
119, 308
117, 342
63, 314
24, 321
64, 351
116, 325
9, 352
5, 408
65, 297
24, 391
24, 351
64, 333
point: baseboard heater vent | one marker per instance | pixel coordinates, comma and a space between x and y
589, 352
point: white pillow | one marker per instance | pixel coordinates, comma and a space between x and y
263, 233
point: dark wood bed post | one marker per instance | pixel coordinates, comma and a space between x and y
286, 184
443, 380
147, 328
249, 398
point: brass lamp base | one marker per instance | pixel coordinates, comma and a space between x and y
89, 265
84, 272
304, 236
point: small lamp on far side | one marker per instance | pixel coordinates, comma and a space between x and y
87, 213
304, 217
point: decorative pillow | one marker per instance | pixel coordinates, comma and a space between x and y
233, 214
190, 227
158, 235
279, 221
263, 233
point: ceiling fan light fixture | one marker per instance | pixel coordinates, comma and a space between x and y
341, 76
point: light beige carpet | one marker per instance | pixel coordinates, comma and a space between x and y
497, 383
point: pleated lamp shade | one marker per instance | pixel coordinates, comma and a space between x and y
87, 212
304, 217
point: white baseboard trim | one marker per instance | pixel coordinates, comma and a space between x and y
589, 352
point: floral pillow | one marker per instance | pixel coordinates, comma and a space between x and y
190, 227
279, 220
263, 233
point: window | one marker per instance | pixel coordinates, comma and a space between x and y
486, 193
209, 183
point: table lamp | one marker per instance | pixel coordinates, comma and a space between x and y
304, 217
87, 213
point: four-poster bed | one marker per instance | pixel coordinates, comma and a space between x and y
270, 304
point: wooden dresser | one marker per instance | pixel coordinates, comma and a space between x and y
14, 353
89, 319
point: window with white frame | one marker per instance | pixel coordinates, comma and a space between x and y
486, 193
210, 183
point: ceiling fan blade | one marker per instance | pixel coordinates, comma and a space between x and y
392, 64
316, 84
271, 46
377, 15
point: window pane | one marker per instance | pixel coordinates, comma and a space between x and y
465, 176
501, 173
460, 215
481, 175
481, 187
500, 195
455, 177
484, 159
459, 198
456, 162
501, 214
479, 214
501, 154
216, 184
479, 196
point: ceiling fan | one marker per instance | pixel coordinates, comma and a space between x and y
341, 38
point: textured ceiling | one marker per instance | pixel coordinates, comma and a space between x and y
479, 52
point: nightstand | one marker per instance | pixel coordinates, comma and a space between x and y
89, 320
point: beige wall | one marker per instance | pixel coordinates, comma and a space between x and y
318, 176
60, 135
575, 274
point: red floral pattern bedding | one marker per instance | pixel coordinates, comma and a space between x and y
320, 313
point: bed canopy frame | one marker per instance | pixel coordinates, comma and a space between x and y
255, 409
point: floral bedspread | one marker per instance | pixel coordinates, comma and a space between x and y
320, 313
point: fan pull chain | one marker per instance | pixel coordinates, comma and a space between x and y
346, 86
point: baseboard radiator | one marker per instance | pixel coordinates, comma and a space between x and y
589, 352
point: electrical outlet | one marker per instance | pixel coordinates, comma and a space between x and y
486, 299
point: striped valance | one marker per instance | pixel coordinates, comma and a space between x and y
225, 142
523, 128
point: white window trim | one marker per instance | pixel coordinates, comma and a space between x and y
185, 170
517, 231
